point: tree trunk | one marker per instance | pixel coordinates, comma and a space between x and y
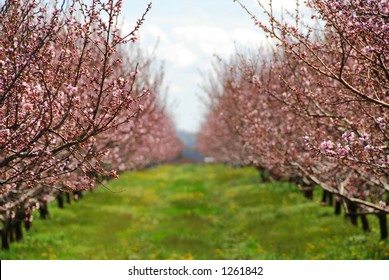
17, 226
17, 223
77, 195
330, 199
306, 187
352, 208
11, 235
264, 175
60, 199
5, 234
365, 223
338, 206
383, 225
43, 210
27, 223
327, 198
324, 198
68, 199
309, 193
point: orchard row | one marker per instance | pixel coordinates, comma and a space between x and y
78, 103
312, 107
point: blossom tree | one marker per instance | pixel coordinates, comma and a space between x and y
149, 138
350, 58
219, 136
58, 91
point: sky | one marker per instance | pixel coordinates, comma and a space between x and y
189, 33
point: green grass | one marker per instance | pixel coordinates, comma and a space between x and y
196, 212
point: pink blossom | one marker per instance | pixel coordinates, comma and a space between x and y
113, 173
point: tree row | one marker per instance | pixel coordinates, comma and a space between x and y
312, 105
78, 103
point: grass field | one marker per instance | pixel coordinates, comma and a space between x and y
196, 212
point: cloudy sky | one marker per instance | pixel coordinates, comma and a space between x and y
189, 33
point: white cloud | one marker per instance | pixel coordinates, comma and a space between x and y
188, 34
153, 32
178, 55
189, 45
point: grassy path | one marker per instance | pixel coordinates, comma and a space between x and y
196, 212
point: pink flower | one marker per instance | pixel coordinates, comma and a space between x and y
367, 148
113, 173
327, 145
